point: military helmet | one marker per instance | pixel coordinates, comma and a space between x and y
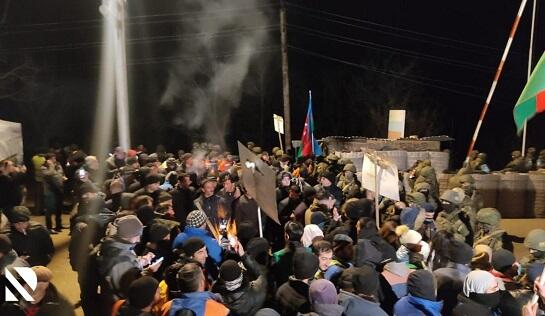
535, 239
422, 186
273, 151
516, 154
344, 161
332, 157
489, 215
482, 156
452, 196
466, 178
416, 198
350, 167
257, 150
427, 172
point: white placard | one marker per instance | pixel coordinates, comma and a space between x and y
386, 171
278, 123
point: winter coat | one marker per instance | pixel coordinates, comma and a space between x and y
200, 303
415, 306
214, 249
283, 262
116, 257
325, 310
53, 303
249, 298
182, 203
387, 250
36, 244
292, 297
357, 306
469, 307
450, 282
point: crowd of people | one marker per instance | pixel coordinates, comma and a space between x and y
178, 234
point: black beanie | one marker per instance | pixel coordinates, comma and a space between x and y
230, 270
329, 176
142, 292
421, 283
305, 264
257, 246
5, 244
145, 214
365, 280
158, 232
191, 245
460, 252
20, 214
151, 178
246, 231
502, 260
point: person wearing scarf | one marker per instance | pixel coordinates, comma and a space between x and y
480, 296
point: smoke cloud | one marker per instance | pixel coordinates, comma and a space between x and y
203, 90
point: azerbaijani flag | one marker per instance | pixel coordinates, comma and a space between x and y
532, 99
309, 144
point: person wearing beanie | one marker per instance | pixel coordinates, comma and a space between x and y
196, 227
151, 187
343, 254
413, 249
362, 301
243, 290
450, 279
323, 299
328, 184
421, 300
505, 269
193, 297
293, 296
46, 299
30, 240
143, 294
116, 255
480, 295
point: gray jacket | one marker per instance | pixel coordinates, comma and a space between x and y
357, 306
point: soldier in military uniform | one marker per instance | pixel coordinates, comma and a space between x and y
516, 164
349, 183
489, 232
453, 219
540, 163
427, 174
479, 164
425, 188
535, 242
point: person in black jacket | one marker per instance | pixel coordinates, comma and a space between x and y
182, 198
243, 292
30, 240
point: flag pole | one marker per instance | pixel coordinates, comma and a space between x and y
496, 77
309, 127
530, 50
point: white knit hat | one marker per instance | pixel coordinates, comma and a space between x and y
408, 236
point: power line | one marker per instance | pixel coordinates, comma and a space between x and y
383, 72
398, 29
376, 46
167, 59
133, 41
98, 22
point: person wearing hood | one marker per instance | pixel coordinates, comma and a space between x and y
324, 202
311, 233
193, 297
421, 300
450, 279
362, 301
243, 291
328, 184
293, 296
481, 295
323, 299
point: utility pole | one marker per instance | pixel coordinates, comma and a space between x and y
285, 75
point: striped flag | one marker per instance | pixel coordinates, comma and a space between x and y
309, 144
532, 99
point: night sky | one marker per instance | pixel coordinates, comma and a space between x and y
435, 59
